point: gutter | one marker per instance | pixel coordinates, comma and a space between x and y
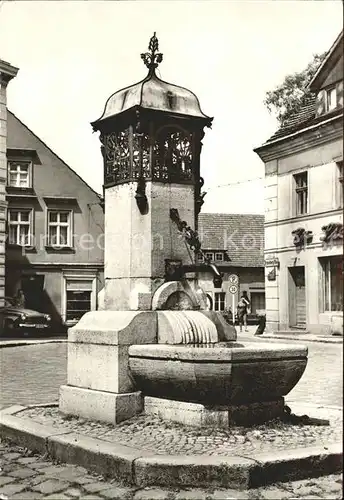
298, 132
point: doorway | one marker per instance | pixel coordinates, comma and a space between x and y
297, 297
32, 286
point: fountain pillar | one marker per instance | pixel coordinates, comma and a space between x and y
150, 135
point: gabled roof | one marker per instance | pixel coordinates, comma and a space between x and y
298, 121
335, 51
306, 116
242, 235
13, 143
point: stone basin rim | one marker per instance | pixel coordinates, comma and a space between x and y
196, 354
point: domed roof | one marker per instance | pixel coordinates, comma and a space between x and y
154, 93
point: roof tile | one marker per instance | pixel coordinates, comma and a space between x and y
242, 235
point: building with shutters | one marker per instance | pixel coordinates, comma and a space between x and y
304, 209
55, 227
235, 243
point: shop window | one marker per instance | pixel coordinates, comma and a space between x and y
220, 301
78, 299
333, 283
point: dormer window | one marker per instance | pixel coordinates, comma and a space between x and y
219, 256
331, 99
19, 174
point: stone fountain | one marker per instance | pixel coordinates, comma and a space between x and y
155, 348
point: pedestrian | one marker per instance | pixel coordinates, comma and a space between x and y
20, 299
242, 309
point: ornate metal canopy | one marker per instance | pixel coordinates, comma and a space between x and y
152, 130
154, 94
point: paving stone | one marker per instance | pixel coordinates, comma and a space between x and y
21, 473
52, 469
228, 494
73, 492
5, 480
57, 496
96, 487
38, 465
118, 493
12, 489
27, 460
92, 497
50, 486
27, 495
195, 494
155, 494
271, 493
83, 480
11, 456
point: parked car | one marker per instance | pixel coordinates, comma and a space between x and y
21, 320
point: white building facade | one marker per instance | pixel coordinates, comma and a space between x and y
304, 210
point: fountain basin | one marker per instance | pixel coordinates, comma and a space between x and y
217, 375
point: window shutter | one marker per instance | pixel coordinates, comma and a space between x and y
340, 94
320, 103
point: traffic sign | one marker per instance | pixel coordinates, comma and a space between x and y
233, 279
233, 289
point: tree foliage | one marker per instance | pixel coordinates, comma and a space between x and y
286, 99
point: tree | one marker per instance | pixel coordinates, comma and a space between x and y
286, 99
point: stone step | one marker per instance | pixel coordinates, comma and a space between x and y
291, 332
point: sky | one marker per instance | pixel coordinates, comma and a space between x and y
72, 55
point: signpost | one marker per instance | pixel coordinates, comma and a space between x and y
234, 282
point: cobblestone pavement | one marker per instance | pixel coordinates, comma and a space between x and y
43, 370
162, 437
32, 374
26, 476
322, 382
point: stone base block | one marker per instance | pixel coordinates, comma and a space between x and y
224, 416
99, 405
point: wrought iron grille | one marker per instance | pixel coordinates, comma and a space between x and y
129, 156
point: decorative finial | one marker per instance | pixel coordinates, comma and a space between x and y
152, 58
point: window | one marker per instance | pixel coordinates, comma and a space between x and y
220, 301
333, 283
257, 302
200, 257
78, 299
19, 227
219, 256
209, 255
301, 189
340, 183
331, 99
19, 174
59, 228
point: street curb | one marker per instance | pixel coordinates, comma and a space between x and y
141, 468
335, 340
14, 343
